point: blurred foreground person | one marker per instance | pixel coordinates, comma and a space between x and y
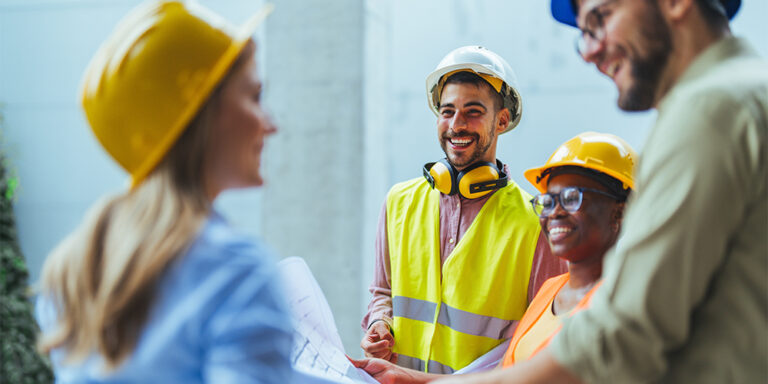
685, 295
154, 287
583, 186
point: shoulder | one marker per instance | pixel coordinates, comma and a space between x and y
728, 95
222, 244
719, 117
222, 272
513, 190
553, 284
408, 185
414, 191
513, 198
220, 258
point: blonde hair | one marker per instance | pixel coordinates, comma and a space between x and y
102, 278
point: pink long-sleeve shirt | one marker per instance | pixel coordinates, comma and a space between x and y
456, 215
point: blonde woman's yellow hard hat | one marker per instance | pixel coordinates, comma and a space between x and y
149, 79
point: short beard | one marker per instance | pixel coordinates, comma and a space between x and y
646, 71
480, 148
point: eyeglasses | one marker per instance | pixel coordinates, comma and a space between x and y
593, 30
570, 199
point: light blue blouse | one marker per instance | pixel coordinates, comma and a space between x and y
219, 317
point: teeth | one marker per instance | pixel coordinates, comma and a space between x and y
458, 141
558, 230
611, 70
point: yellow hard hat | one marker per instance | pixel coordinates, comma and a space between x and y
601, 152
152, 75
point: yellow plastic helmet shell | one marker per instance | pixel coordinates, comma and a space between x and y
148, 80
601, 152
486, 64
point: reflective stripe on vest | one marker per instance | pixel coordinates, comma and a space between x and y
474, 324
447, 326
413, 308
461, 321
418, 364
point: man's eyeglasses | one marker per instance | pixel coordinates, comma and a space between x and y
570, 199
593, 30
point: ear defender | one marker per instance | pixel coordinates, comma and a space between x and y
477, 180
441, 175
480, 178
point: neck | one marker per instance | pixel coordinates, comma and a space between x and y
211, 188
585, 274
690, 37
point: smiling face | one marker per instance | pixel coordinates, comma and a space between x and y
590, 231
634, 51
469, 123
240, 126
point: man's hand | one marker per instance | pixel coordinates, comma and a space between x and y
378, 342
387, 373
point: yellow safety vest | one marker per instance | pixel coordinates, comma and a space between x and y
442, 325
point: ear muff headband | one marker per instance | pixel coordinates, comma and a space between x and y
475, 181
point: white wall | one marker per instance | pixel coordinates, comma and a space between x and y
562, 95
46, 44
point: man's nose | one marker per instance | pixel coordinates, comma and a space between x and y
592, 50
268, 123
458, 121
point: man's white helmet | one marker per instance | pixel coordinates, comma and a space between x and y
488, 65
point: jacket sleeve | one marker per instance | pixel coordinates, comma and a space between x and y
380, 306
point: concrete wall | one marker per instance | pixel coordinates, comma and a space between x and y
311, 206
345, 83
562, 95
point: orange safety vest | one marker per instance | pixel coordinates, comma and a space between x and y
542, 302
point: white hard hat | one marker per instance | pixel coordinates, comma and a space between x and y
488, 65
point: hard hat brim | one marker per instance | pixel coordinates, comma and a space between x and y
604, 153
541, 184
222, 67
563, 11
